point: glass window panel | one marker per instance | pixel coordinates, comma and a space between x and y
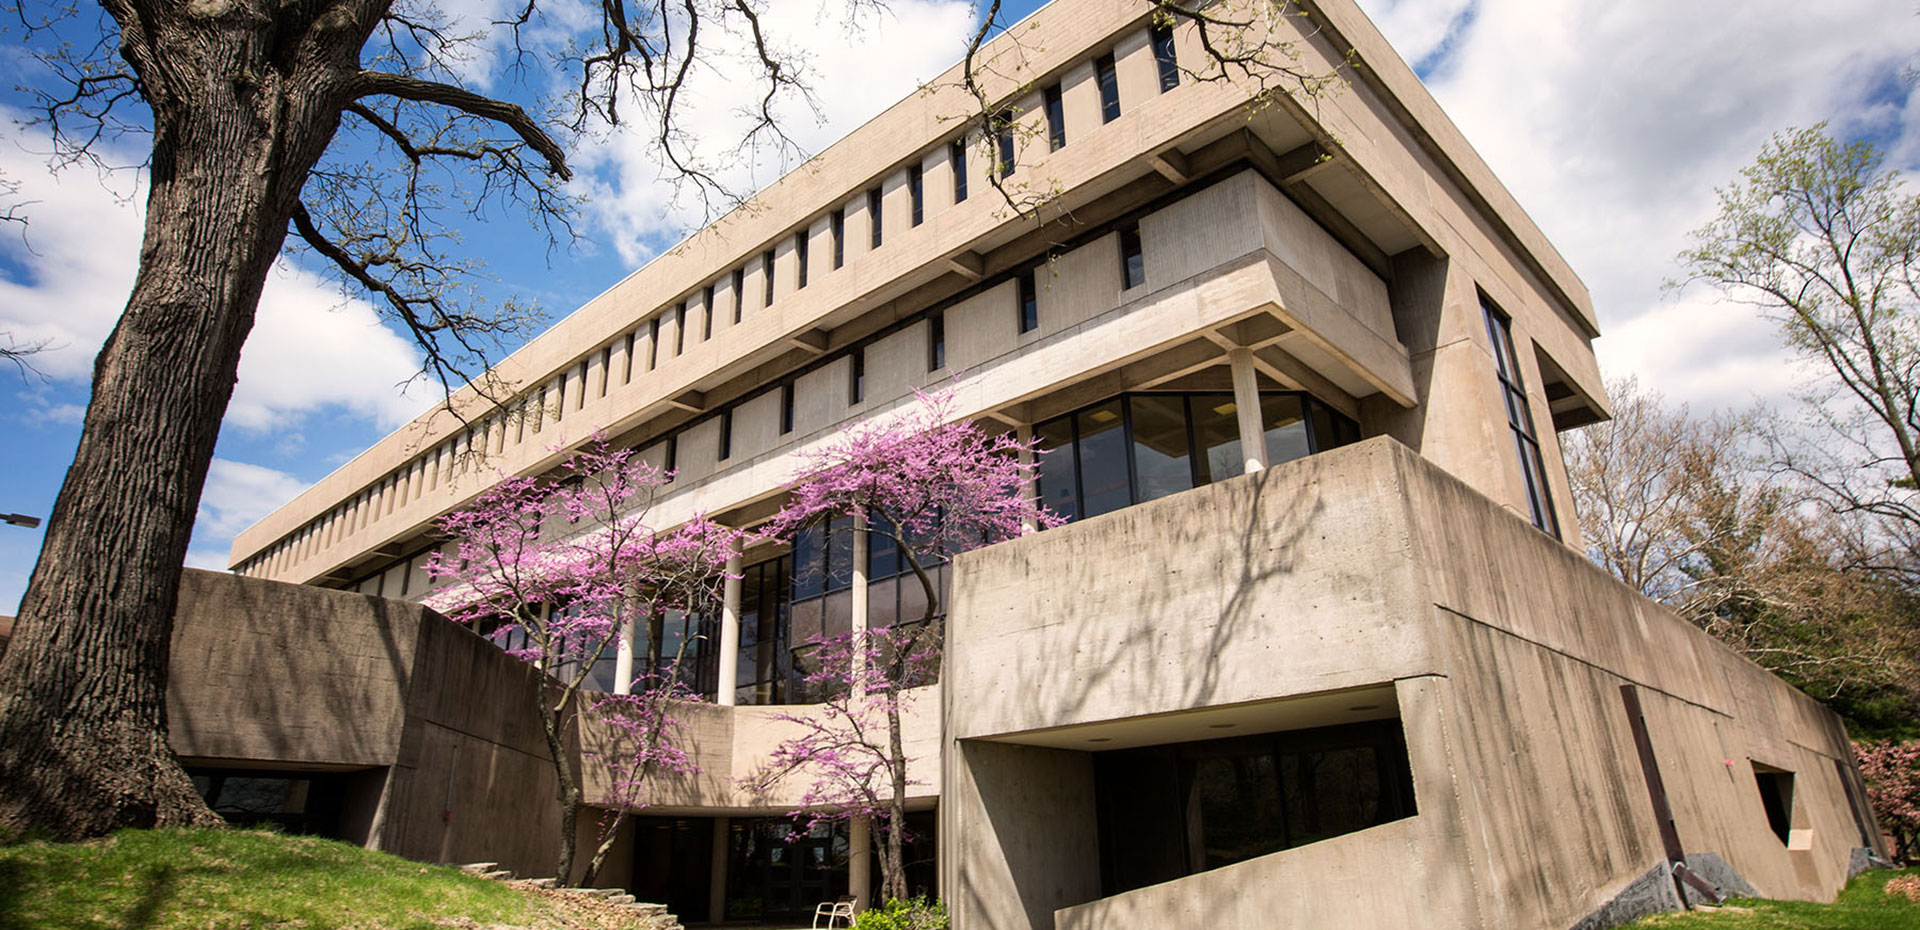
839, 553
839, 614
809, 574
1104, 483
1286, 427
1235, 803
1161, 465
1324, 437
1216, 432
883, 555
1058, 488
883, 602
809, 625
1331, 792
913, 596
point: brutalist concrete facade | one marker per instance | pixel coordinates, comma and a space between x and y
1409, 564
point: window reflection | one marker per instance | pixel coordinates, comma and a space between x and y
1139, 447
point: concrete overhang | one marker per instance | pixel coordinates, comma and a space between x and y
1347, 705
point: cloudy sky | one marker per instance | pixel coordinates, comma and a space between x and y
1611, 121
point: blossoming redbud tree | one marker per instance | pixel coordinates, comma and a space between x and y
1892, 773
553, 567
935, 487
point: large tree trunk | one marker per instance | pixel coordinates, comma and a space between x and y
245, 99
554, 719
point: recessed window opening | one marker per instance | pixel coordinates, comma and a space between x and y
1526, 443
653, 343
766, 275
1163, 55
579, 397
680, 328
857, 376
786, 408
1003, 140
1138, 447
606, 368
916, 193
958, 159
626, 376
1776, 797
670, 462
873, 218
800, 259
936, 342
1056, 118
1108, 78
1029, 302
1133, 262
706, 313
726, 434
1174, 810
837, 227
739, 292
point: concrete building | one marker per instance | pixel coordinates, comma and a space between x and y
1319, 646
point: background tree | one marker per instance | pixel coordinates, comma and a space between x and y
1823, 241
1689, 510
552, 567
1892, 774
934, 486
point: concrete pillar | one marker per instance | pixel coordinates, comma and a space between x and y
860, 862
623, 652
1029, 489
729, 632
859, 594
1246, 402
717, 886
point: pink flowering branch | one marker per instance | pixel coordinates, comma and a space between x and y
1892, 774
936, 486
556, 567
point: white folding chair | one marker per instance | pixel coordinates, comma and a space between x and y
833, 912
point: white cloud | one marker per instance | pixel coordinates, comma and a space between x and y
66, 283
236, 496
855, 70
1613, 121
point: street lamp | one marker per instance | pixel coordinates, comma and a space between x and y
20, 519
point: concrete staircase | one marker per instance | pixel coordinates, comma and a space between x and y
650, 916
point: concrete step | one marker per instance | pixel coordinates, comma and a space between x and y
600, 892
649, 910
498, 875
542, 882
620, 899
478, 868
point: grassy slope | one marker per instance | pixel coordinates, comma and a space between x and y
216, 879
1863, 905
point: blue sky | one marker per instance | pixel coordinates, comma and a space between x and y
1611, 120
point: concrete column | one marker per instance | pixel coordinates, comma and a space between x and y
860, 862
623, 653
859, 594
729, 632
1030, 489
717, 888
1246, 401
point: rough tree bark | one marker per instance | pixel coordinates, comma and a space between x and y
244, 101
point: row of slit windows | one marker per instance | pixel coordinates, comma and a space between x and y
1161, 40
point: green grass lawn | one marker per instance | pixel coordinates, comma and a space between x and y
219, 879
1865, 904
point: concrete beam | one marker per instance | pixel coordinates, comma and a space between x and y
1171, 164
968, 264
690, 401
813, 340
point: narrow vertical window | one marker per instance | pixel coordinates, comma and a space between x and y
958, 158
739, 292
1056, 118
1164, 57
626, 375
706, 314
936, 342
1109, 81
653, 343
606, 368
766, 274
786, 408
680, 328
873, 217
916, 193
1029, 302
1133, 265
726, 434
837, 227
1520, 420
1003, 140
671, 461
857, 376
800, 258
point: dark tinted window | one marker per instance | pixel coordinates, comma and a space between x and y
959, 161
936, 342
916, 193
1161, 465
1104, 480
1133, 264
1029, 302
1059, 468
1109, 81
837, 226
1003, 140
1056, 118
1164, 57
873, 218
